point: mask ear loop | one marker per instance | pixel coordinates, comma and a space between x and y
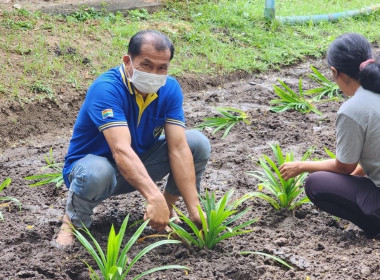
130, 84
125, 67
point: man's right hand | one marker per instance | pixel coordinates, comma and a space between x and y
135, 173
195, 217
157, 211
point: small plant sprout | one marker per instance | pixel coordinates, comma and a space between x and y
3, 185
327, 88
283, 193
230, 117
277, 259
115, 264
55, 177
216, 225
290, 100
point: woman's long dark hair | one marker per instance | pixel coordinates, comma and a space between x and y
347, 52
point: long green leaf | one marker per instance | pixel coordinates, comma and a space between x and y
9, 198
5, 183
173, 266
269, 199
267, 255
185, 236
130, 242
145, 251
100, 261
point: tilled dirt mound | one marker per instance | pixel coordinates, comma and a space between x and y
318, 245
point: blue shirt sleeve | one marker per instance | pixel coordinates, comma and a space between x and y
105, 105
174, 113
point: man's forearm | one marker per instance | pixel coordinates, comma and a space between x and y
135, 173
182, 167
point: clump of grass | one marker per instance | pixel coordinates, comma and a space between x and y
216, 224
230, 117
18, 24
327, 88
290, 100
55, 177
138, 14
40, 88
84, 14
3, 185
114, 263
283, 193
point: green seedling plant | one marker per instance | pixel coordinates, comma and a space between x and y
327, 90
114, 264
3, 185
277, 259
283, 193
216, 221
290, 100
230, 117
55, 177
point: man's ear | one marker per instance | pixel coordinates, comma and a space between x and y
126, 60
335, 73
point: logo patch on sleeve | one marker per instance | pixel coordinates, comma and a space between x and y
107, 113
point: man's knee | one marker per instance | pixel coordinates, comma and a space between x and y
199, 145
93, 178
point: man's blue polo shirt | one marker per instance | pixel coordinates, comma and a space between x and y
112, 101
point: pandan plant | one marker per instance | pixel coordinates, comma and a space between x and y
3, 185
230, 117
327, 88
282, 193
217, 221
114, 264
55, 177
290, 100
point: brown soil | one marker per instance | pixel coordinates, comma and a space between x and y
316, 244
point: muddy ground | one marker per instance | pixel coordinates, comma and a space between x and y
316, 244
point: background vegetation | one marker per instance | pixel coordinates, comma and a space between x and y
43, 56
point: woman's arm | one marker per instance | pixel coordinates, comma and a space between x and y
291, 169
359, 171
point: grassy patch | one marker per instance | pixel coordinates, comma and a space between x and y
211, 37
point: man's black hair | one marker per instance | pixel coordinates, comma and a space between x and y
156, 38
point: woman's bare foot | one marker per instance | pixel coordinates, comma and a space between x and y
65, 236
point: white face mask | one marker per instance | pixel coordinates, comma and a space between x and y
147, 82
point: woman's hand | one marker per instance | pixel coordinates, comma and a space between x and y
290, 169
